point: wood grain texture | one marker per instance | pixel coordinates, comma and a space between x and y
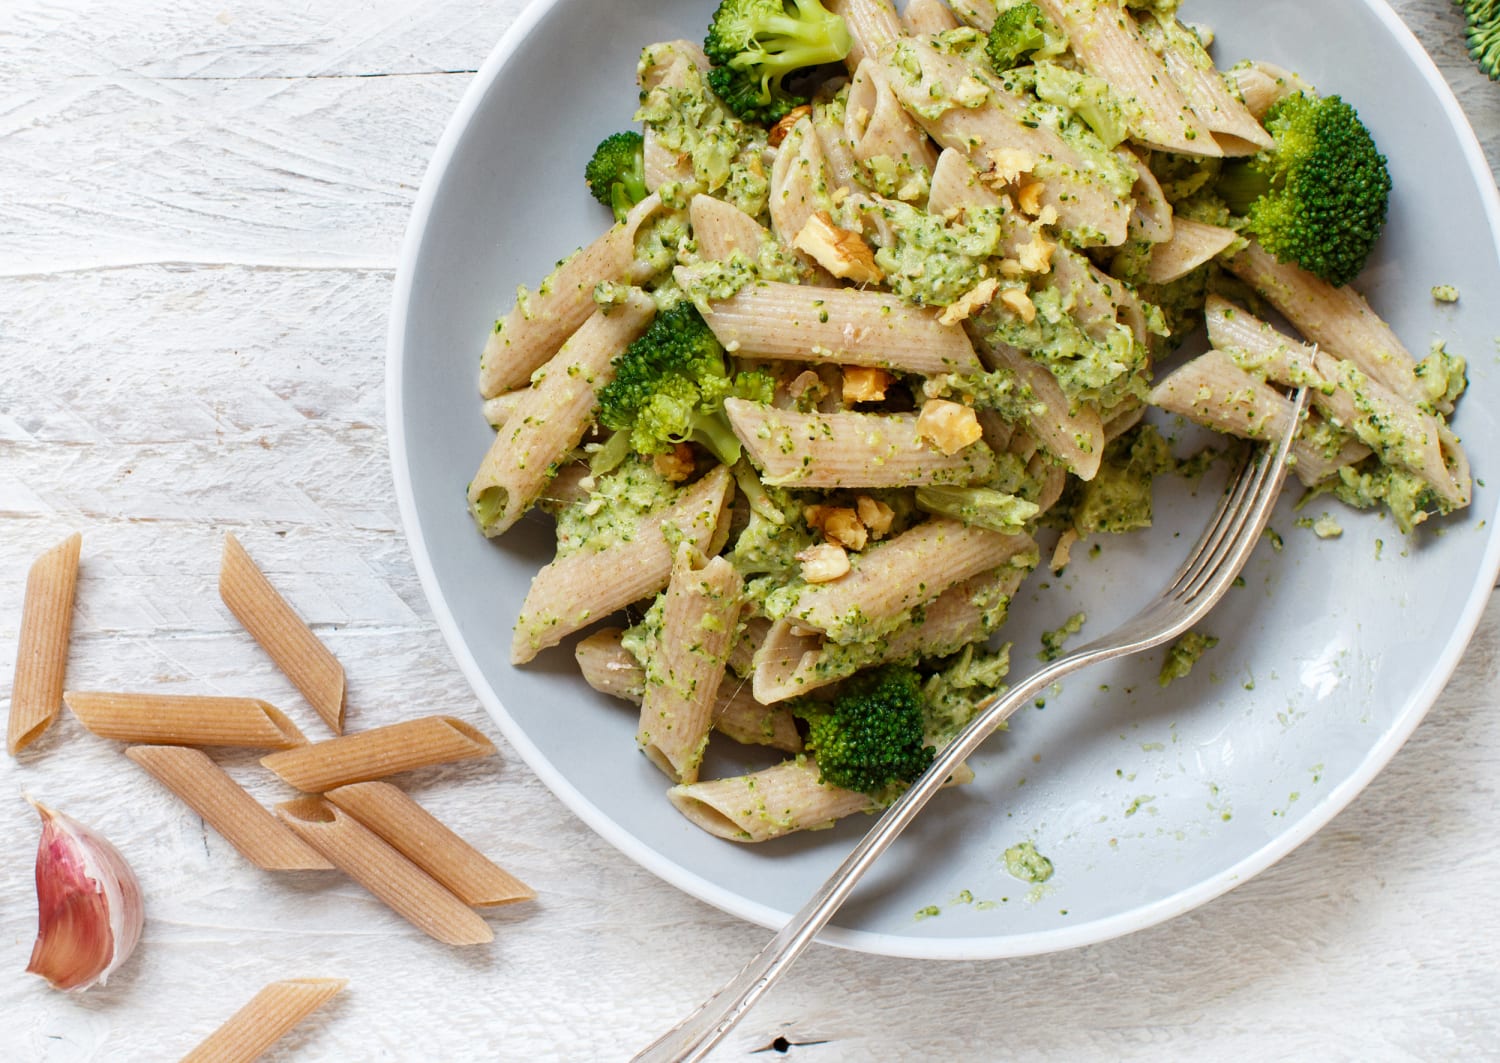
201, 206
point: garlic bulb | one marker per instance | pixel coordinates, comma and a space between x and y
89, 911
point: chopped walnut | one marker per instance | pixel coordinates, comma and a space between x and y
1010, 163
840, 251
971, 301
676, 464
839, 524
1019, 303
1048, 216
865, 383
950, 426
1036, 257
783, 128
841, 193
1064, 552
875, 515
1009, 267
1029, 197
806, 383
824, 563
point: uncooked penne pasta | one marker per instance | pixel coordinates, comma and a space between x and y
1108, 43
872, 25
427, 842
378, 752
552, 419
46, 631
686, 660
224, 805
841, 325
1336, 319
573, 591
282, 633
610, 669
369, 860
271, 1014
542, 320
184, 720
1193, 243
847, 449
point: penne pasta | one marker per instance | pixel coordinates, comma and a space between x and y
1236, 130
427, 842
610, 669
832, 450
553, 417
42, 655
839, 325
721, 229
499, 409
542, 321
400, 884
1263, 85
885, 138
873, 24
184, 720
574, 591
767, 804
378, 752
271, 1014
800, 188
282, 633
1192, 244
1075, 436
924, 17
224, 805
685, 662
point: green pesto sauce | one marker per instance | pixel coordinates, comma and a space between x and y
933, 262
613, 511
1184, 653
1053, 641
1025, 863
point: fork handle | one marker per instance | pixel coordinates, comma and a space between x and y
695, 1036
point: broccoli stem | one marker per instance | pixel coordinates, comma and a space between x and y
714, 432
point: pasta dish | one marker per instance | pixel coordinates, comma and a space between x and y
886, 300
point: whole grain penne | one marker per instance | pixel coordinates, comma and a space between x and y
828, 124
554, 415
767, 804
271, 1014
369, 860
847, 449
685, 662
839, 325
499, 409
721, 229
282, 633
574, 591
1151, 219
878, 127
924, 17
1193, 243
1073, 435
1338, 320
1108, 42
610, 669
662, 164
801, 186
1207, 93
1263, 85
224, 805
980, 14
541, 321
46, 632
427, 842
379, 752
794, 661
873, 24
184, 720
890, 578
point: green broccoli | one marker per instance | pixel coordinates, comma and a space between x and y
616, 175
670, 386
754, 44
1483, 33
982, 507
1022, 33
869, 738
1319, 197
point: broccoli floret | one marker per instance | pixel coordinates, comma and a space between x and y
670, 386
616, 175
754, 44
870, 737
1319, 197
1022, 33
1483, 34
982, 507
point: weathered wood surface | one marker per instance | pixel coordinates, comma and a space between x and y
200, 210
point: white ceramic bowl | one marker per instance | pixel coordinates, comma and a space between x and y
1148, 801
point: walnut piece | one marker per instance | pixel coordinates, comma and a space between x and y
875, 515
865, 383
1010, 163
839, 524
975, 299
676, 464
824, 563
1019, 303
950, 426
781, 129
840, 251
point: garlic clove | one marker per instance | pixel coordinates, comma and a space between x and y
89, 910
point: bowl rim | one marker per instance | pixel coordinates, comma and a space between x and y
1418, 704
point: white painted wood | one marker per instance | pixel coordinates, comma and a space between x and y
200, 210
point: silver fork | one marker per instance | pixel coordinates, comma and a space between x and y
1199, 584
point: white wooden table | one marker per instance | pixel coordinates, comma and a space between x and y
201, 203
